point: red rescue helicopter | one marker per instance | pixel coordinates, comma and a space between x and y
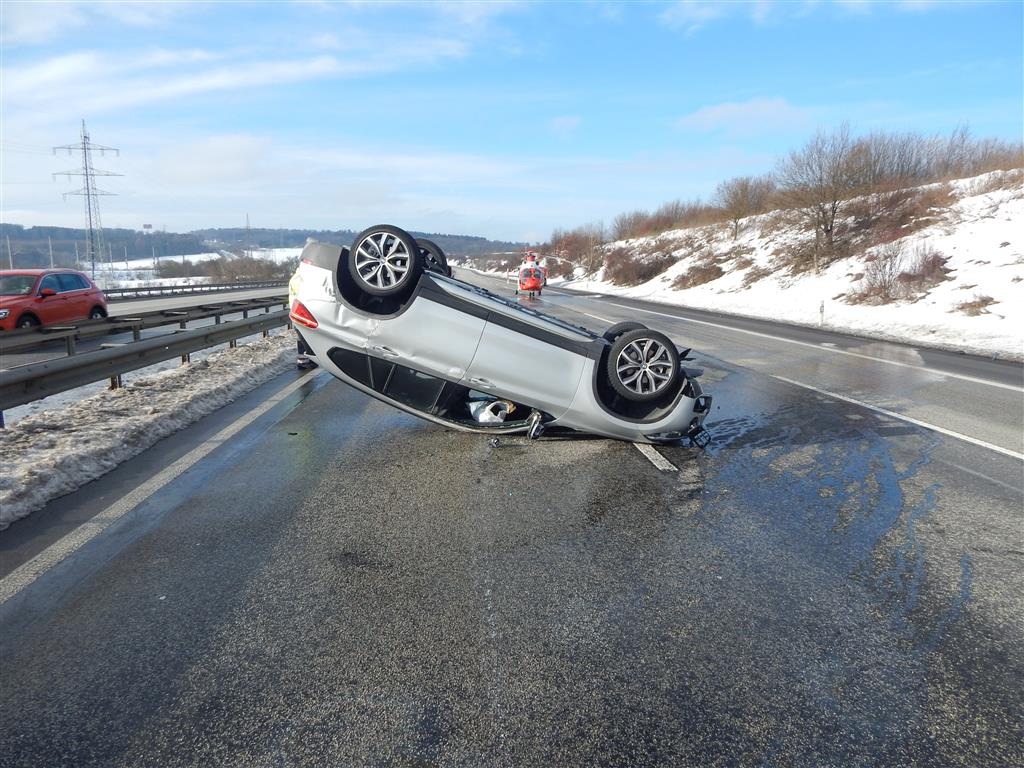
531, 281
533, 261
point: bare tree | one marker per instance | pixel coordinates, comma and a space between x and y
744, 196
817, 179
579, 246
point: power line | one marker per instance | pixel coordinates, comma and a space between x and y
94, 226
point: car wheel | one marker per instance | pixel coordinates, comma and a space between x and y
28, 321
433, 257
385, 261
643, 365
97, 314
614, 331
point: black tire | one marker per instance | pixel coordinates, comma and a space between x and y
385, 261
433, 257
614, 331
643, 365
28, 321
97, 313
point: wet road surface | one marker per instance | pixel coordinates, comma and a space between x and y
347, 585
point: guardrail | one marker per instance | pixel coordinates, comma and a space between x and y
31, 382
12, 341
178, 290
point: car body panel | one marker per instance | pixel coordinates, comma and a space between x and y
430, 337
518, 367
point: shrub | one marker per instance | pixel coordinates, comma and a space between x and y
626, 267
756, 274
881, 273
926, 269
698, 275
673, 215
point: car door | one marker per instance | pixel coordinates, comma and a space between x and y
51, 309
76, 295
542, 369
436, 335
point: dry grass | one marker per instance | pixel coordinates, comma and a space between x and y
756, 274
627, 267
1010, 179
976, 306
891, 275
698, 275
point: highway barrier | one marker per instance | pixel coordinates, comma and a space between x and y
26, 383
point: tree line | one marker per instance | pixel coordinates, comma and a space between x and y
30, 247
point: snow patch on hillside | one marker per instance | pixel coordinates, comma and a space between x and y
981, 234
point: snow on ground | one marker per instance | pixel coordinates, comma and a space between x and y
981, 234
57, 445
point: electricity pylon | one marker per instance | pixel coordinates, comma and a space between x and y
94, 248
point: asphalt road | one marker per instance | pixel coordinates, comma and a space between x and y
342, 584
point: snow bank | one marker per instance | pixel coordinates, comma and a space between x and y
53, 452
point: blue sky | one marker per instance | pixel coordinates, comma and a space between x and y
500, 119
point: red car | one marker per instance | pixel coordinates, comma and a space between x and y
531, 281
32, 297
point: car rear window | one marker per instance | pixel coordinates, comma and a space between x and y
16, 285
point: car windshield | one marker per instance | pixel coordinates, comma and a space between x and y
16, 285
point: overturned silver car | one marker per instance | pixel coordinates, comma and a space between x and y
386, 317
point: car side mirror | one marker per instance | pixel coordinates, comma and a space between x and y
47, 292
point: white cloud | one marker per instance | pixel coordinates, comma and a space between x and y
93, 82
748, 118
691, 15
32, 23
565, 125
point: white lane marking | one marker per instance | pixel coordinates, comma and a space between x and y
596, 317
972, 379
1015, 489
901, 417
60, 550
656, 458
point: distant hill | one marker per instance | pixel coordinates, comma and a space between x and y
453, 245
30, 246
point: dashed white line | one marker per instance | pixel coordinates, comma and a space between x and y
823, 347
908, 419
59, 551
656, 458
